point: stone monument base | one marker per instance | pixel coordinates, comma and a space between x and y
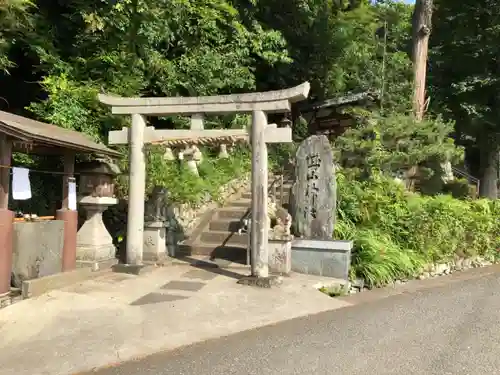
97, 253
97, 265
330, 258
95, 248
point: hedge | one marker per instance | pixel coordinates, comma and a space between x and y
396, 232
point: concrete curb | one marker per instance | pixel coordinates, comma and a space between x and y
36, 287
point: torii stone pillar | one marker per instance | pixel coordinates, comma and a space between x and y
256, 103
260, 223
137, 191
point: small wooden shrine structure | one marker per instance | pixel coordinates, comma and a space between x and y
28, 136
328, 118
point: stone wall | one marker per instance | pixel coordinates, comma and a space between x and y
188, 215
336, 288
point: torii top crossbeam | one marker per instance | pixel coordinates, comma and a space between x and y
270, 101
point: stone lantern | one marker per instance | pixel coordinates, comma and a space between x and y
94, 244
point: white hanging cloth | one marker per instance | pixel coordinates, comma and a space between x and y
21, 186
72, 195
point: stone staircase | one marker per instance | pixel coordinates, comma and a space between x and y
217, 238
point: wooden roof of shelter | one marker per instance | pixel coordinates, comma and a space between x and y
41, 137
348, 99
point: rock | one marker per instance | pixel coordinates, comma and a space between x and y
430, 268
441, 269
5, 301
459, 263
358, 283
261, 282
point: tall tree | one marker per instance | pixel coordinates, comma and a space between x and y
339, 46
465, 78
421, 30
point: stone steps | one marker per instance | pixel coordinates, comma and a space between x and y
243, 202
225, 225
215, 251
286, 194
225, 238
233, 212
219, 239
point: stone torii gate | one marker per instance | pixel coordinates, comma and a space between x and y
259, 104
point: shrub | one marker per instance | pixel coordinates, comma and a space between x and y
396, 142
182, 184
395, 232
460, 189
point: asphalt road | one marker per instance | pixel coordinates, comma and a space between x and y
449, 329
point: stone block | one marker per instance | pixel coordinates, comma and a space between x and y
36, 287
97, 265
330, 258
37, 250
155, 242
280, 256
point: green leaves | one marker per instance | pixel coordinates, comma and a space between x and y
464, 74
396, 232
137, 47
15, 20
397, 142
182, 184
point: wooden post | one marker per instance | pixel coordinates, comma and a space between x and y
6, 216
259, 225
5, 161
137, 191
70, 217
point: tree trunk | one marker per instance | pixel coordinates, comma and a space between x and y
421, 30
489, 174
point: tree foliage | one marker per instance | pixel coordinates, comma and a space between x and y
465, 78
57, 56
395, 143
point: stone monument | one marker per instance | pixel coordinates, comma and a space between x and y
155, 218
94, 244
313, 200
